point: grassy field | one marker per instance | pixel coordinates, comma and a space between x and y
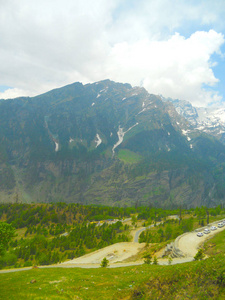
215, 245
128, 156
195, 280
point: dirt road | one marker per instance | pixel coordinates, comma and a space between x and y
190, 242
114, 253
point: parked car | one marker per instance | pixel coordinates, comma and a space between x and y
200, 234
206, 231
213, 228
220, 224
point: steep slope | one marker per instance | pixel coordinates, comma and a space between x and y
106, 143
208, 120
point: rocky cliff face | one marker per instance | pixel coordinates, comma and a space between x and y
106, 143
208, 120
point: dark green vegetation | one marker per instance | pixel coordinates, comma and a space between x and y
171, 228
7, 232
104, 262
62, 146
199, 255
49, 234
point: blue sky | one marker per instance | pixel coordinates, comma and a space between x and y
171, 47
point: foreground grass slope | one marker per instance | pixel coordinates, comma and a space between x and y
196, 280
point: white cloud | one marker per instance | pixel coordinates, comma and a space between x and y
175, 68
14, 93
47, 44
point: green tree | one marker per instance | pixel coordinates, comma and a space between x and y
168, 232
155, 261
134, 220
7, 232
199, 255
147, 259
104, 262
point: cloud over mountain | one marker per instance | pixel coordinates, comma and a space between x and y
169, 49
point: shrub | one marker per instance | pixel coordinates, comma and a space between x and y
199, 255
155, 261
104, 262
147, 259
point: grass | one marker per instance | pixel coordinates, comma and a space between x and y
74, 283
128, 156
196, 280
215, 245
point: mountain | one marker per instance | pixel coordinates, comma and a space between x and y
106, 143
208, 120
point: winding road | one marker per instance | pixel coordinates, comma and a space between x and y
119, 253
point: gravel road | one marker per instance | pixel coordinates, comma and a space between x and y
190, 242
114, 253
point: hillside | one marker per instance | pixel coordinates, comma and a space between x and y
106, 143
204, 279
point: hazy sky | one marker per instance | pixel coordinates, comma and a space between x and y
171, 47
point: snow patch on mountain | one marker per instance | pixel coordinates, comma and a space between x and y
210, 120
185, 132
144, 109
98, 140
56, 146
121, 134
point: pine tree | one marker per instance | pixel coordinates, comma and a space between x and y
155, 261
104, 262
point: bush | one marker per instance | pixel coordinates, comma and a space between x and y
27, 264
104, 263
155, 261
147, 259
199, 255
9, 259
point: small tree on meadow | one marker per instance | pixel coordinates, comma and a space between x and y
155, 261
199, 255
104, 262
147, 259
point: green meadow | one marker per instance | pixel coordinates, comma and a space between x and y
195, 280
128, 156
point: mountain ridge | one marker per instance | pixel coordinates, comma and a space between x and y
210, 120
106, 143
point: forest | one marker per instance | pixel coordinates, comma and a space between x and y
52, 233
